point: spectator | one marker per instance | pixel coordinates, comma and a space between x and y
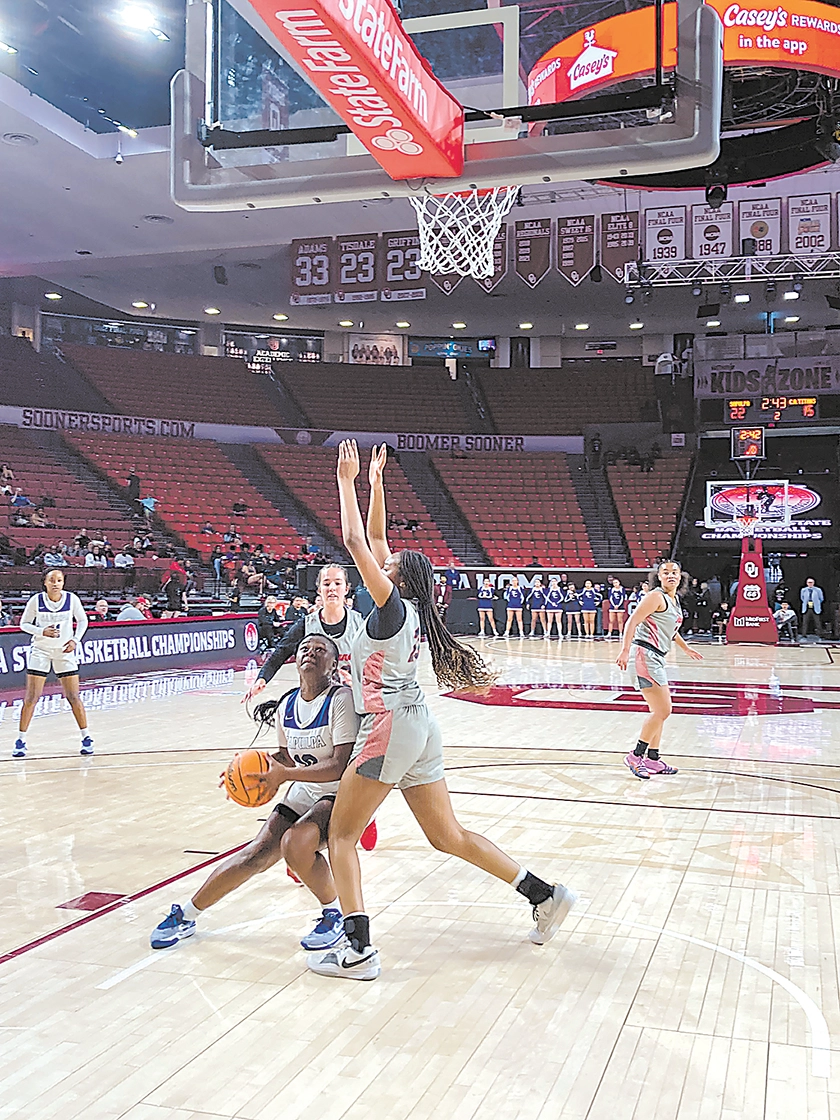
412, 525
54, 558
232, 536
6, 477
82, 540
216, 560
144, 606
812, 603
123, 559
239, 508
270, 621
133, 489
300, 608
38, 520
208, 529
688, 600
148, 503
5, 617
704, 609
251, 578
47, 502
720, 617
786, 622
173, 589
715, 593
94, 558
19, 499
130, 612
100, 611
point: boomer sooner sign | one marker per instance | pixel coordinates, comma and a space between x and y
361, 61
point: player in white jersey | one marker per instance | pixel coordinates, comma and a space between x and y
57, 622
399, 739
316, 730
652, 630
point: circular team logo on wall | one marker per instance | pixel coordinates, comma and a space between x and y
251, 636
665, 236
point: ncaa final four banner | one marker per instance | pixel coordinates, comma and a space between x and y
665, 234
711, 232
761, 222
809, 223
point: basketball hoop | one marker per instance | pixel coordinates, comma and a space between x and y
457, 230
747, 523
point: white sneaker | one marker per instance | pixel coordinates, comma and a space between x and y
345, 962
551, 914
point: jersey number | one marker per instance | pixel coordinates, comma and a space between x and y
304, 759
415, 649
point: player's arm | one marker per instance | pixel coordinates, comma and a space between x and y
377, 521
81, 620
352, 529
284, 652
694, 654
652, 601
27, 619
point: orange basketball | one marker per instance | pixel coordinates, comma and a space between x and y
247, 791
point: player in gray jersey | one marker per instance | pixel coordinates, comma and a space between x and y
650, 632
399, 741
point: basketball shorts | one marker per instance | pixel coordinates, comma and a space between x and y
298, 799
402, 748
40, 663
649, 667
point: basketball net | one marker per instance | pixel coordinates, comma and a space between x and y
747, 523
457, 230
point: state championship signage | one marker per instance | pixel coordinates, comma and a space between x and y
797, 34
364, 65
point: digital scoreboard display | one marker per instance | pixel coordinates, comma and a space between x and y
772, 410
747, 443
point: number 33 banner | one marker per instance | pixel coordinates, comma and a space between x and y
665, 235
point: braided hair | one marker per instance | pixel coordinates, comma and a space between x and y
265, 714
455, 665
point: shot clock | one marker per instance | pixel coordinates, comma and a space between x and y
747, 443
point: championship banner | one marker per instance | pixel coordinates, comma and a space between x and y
665, 234
767, 377
355, 269
711, 232
400, 277
368, 70
619, 242
446, 281
311, 272
500, 261
532, 250
576, 247
761, 220
809, 223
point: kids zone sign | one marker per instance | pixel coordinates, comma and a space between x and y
796, 34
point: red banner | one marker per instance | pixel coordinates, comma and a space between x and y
751, 620
356, 54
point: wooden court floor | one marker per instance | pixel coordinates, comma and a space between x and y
697, 978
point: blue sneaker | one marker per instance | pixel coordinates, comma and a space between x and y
172, 929
20, 749
328, 932
87, 745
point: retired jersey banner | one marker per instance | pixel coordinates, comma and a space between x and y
311, 272
619, 242
500, 261
532, 249
711, 232
355, 269
761, 221
576, 247
400, 277
665, 234
809, 223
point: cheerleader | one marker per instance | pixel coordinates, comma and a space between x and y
637, 594
652, 630
485, 609
589, 600
50, 618
536, 605
515, 598
554, 608
618, 600
571, 605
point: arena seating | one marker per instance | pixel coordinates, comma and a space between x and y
648, 504
519, 507
179, 387
194, 482
375, 398
28, 378
310, 474
77, 507
561, 401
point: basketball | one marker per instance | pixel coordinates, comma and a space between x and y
245, 790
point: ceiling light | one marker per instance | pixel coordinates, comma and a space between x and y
52, 295
280, 316
715, 195
741, 297
791, 318
345, 322
581, 326
141, 303
137, 18
526, 326
212, 311
128, 131
403, 323
713, 322
636, 326
791, 295
459, 326
7, 49
696, 290
628, 296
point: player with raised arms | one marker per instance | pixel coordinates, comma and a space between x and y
316, 730
57, 622
399, 740
651, 630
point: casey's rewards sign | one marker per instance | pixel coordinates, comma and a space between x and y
363, 64
798, 34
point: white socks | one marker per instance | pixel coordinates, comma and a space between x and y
190, 912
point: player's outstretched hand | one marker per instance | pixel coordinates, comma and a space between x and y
255, 689
378, 459
623, 658
694, 654
348, 465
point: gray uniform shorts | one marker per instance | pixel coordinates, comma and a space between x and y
649, 668
401, 748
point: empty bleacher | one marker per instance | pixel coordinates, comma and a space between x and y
43, 380
310, 474
648, 504
361, 398
179, 387
564, 402
194, 482
520, 507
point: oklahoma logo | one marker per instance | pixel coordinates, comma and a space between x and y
592, 64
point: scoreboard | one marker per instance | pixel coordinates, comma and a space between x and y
772, 410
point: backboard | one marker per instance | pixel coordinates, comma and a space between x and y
768, 501
238, 78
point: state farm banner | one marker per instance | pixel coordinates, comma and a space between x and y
619, 242
576, 246
500, 261
809, 223
761, 221
532, 250
665, 234
368, 70
766, 376
711, 232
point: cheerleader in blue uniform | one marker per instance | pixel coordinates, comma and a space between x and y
571, 605
618, 601
515, 598
536, 605
554, 608
589, 600
485, 609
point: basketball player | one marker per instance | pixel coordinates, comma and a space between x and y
316, 730
399, 738
536, 605
515, 598
485, 609
652, 630
618, 600
50, 618
554, 608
